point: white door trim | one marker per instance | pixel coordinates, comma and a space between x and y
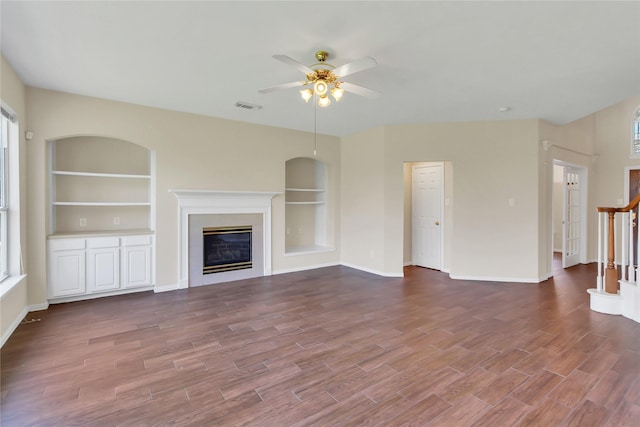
584, 192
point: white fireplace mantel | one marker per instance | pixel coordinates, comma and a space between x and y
207, 202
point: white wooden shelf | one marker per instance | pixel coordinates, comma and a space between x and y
305, 250
315, 190
101, 175
102, 203
304, 203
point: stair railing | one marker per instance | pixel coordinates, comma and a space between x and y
608, 276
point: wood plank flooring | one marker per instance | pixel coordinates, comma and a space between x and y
332, 346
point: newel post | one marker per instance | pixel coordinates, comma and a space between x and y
611, 274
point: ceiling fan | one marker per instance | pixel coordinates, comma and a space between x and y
326, 78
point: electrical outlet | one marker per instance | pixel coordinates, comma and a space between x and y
83, 222
116, 220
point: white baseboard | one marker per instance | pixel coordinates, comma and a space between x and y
303, 268
38, 307
166, 288
16, 322
497, 279
545, 277
12, 327
100, 295
372, 271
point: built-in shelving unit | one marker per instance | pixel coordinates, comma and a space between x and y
101, 233
100, 184
306, 207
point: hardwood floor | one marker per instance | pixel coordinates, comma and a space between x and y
332, 346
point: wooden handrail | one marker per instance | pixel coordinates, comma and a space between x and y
611, 274
632, 205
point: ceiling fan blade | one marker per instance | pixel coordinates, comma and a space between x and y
355, 66
282, 86
359, 90
290, 61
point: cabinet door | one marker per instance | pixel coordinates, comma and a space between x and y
104, 269
136, 266
67, 274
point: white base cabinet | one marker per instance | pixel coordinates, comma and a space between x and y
136, 257
67, 267
98, 265
103, 269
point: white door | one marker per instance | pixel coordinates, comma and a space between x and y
427, 215
571, 213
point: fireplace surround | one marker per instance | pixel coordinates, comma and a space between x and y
198, 209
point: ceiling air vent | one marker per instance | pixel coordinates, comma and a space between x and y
248, 106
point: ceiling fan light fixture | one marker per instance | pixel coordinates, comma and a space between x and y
306, 94
324, 101
337, 93
321, 87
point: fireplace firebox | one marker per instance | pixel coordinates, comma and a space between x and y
226, 248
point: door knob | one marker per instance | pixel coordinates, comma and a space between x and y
437, 222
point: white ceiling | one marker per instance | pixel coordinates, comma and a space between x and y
437, 61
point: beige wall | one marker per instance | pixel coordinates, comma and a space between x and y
613, 147
600, 143
192, 152
491, 162
572, 144
12, 92
362, 193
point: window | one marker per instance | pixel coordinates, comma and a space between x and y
7, 131
635, 145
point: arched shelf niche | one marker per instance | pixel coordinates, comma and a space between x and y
306, 206
100, 184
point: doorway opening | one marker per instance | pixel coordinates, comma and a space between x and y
631, 190
427, 214
569, 219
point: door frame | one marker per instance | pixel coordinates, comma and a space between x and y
627, 171
584, 192
626, 200
442, 203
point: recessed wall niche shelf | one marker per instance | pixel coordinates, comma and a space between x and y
306, 206
304, 196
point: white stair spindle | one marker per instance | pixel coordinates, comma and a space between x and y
599, 278
624, 246
631, 276
637, 262
605, 247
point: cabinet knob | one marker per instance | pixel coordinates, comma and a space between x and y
437, 222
